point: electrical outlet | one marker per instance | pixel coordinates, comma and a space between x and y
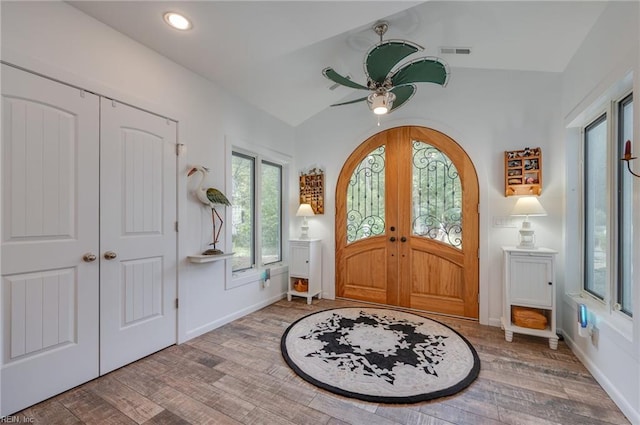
595, 336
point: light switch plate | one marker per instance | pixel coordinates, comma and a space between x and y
504, 221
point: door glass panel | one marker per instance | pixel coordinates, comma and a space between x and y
437, 196
365, 197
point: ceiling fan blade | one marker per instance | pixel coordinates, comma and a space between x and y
351, 101
403, 93
423, 70
343, 81
384, 56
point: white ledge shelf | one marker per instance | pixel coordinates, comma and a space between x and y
208, 258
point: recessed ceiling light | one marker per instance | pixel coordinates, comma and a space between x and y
177, 21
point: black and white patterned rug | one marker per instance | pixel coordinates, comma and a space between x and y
380, 355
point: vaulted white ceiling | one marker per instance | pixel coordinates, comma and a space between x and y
271, 53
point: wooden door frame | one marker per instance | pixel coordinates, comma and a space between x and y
470, 186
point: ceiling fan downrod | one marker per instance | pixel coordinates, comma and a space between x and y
381, 28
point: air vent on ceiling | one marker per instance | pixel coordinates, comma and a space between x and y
455, 50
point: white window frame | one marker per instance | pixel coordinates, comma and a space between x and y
622, 169
610, 108
259, 153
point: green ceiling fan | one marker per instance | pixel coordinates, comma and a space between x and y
391, 88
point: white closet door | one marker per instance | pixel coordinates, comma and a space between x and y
50, 196
137, 224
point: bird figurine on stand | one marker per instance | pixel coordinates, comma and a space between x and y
210, 197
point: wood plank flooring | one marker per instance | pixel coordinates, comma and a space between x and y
236, 375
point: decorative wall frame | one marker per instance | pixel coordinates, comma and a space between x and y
312, 189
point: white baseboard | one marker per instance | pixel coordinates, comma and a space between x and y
629, 409
231, 317
495, 322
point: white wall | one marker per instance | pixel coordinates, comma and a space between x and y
486, 112
609, 52
57, 40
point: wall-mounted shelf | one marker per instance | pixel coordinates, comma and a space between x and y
312, 190
523, 172
208, 258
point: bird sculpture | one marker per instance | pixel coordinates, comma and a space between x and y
210, 197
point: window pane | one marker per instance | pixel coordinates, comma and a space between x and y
595, 226
625, 203
437, 196
243, 169
271, 212
365, 198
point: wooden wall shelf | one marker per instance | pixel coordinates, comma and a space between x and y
312, 190
523, 172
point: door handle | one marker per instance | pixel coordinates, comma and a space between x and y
392, 238
89, 257
110, 255
403, 239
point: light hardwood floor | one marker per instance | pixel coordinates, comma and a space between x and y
236, 375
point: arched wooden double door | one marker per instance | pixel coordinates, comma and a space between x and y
407, 223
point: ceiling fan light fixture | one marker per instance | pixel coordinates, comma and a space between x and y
381, 103
177, 21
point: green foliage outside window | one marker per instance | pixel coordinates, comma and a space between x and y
250, 175
270, 212
242, 168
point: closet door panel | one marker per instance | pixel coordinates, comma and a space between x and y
50, 199
137, 224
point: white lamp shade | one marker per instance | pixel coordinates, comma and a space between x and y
528, 206
305, 210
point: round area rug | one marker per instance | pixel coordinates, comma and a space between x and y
379, 355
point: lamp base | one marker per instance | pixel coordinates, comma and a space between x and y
526, 237
304, 229
304, 232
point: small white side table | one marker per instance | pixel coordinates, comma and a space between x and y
305, 262
529, 281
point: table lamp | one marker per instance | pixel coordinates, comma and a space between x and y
304, 211
527, 206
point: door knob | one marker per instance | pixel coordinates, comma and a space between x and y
392, 238
89, 257
403, 239
110, 255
